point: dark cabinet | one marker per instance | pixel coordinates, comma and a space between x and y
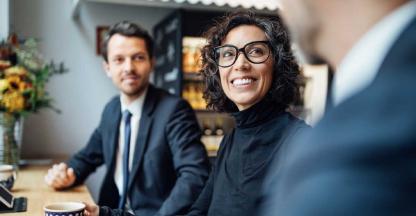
169, 37
177, 43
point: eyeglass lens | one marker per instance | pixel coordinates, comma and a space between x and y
256, 52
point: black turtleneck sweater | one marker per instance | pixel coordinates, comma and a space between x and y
235, 184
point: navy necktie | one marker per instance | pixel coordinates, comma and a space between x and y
125, 168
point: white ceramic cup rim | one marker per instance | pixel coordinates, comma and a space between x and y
64, 207
6, 168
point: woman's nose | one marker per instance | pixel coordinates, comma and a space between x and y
241, 63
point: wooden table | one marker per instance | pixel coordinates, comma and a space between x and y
30, 184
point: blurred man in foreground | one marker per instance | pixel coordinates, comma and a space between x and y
361, 158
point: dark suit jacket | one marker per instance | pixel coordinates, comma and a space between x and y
361, 158
170, 163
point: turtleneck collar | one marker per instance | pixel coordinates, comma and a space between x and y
257, 114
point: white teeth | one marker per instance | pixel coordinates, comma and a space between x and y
239, 82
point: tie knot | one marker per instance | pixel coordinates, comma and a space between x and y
126, 116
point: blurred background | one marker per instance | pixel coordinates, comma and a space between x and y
70, 30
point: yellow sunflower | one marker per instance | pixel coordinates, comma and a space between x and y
4, 84
16, 70
15, 82
13, 101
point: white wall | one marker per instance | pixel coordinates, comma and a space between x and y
4, 19
82, 93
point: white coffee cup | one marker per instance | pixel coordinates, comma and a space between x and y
7, 175
6, 171
64, 209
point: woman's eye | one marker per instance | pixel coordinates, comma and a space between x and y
256, 51
228, 54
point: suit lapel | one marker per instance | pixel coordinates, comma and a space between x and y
401, 50
113, 134
145, 125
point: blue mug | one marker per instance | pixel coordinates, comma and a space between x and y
64, 209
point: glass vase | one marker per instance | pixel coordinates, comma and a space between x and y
10, 142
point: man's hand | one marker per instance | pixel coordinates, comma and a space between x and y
60, 176
91, 209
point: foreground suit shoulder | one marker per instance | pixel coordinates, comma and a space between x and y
360, 159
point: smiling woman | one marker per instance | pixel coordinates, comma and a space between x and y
246, 78
236, 34
250, 72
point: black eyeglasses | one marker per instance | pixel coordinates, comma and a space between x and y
255, 52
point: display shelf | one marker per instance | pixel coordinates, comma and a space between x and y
211, 143
193, 76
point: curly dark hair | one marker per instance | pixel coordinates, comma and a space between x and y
286, 71
127, 29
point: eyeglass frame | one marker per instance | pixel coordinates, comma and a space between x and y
242, 49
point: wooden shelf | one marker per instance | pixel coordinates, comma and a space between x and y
192, 76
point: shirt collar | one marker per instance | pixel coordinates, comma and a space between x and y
136, 106
360, 66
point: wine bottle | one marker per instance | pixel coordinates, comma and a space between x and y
219, 127
206, 129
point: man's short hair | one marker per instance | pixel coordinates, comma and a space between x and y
127, 29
